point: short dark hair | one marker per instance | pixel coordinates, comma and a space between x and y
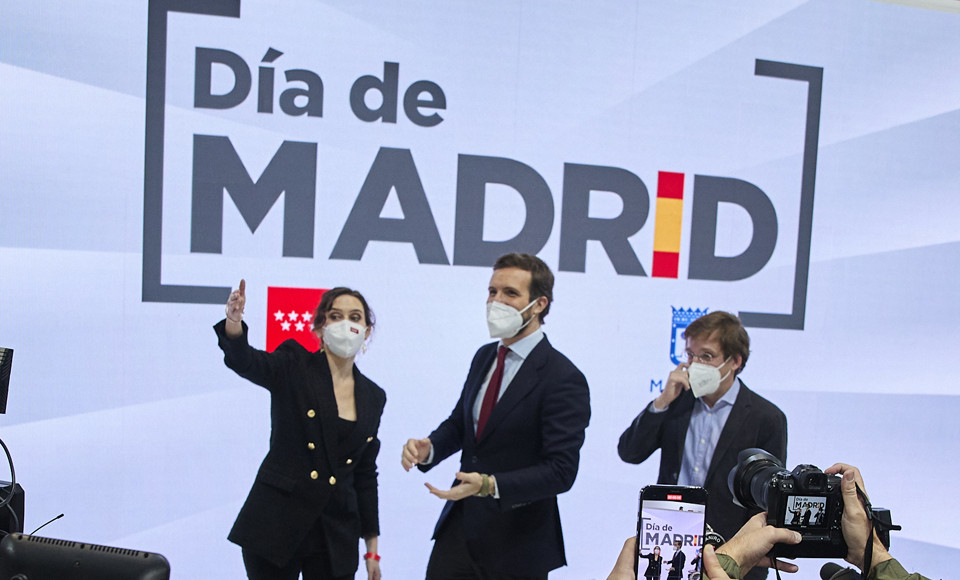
727, 330
541, 278
326, 303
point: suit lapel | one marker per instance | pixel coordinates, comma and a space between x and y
678, 432
323, 402
523, 383
739, 415
366, 418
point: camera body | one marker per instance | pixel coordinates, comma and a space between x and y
808, 501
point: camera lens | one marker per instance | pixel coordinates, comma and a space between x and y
749, 481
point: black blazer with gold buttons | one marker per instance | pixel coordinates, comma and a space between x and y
302, 471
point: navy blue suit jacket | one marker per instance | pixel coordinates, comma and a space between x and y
531, 444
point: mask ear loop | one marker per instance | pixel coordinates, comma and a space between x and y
318, 334
525, 308
724, 377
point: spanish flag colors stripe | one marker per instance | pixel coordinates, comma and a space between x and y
666, 233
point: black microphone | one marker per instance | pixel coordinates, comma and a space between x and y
832, 571
50, 522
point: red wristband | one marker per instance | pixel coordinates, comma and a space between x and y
369, 555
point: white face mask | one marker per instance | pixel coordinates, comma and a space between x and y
505, 321
705, 379
344, 338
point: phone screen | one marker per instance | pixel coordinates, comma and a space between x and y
670, 530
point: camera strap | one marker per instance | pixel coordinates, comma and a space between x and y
876, 525
868, 546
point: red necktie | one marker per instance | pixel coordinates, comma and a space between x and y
493, 391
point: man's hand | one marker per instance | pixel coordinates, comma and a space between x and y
416, 451
750, 546
623, 569
711, 565
677, 382
469, 485
856, 528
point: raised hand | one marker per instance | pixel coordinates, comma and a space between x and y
677, 382
234, 310
236, 302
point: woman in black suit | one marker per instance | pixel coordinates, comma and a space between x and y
315, 494
654, 565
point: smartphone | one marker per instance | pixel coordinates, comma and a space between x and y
671, 523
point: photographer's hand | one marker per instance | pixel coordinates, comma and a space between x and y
856, 528
711, 565
623, 569
750, 546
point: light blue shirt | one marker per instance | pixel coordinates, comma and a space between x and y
706, 424
516, 354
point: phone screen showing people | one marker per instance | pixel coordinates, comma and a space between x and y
670, 532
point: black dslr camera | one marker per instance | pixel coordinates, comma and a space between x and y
806, 500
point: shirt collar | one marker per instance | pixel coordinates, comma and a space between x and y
728, 398
525, 345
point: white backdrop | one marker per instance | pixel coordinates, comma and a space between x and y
121, 414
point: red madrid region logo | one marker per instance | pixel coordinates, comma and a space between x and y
290, 315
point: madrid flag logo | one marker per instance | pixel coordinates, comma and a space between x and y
290, 315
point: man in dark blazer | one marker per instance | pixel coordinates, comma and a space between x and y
700, 436
677, 561
519, 425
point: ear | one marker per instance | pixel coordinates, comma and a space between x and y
541, 305
737, 360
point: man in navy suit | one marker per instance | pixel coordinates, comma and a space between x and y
519, 425
704, 417
677, 562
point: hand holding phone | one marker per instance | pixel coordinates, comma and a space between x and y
671, 523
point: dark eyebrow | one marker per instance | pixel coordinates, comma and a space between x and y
705, 349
